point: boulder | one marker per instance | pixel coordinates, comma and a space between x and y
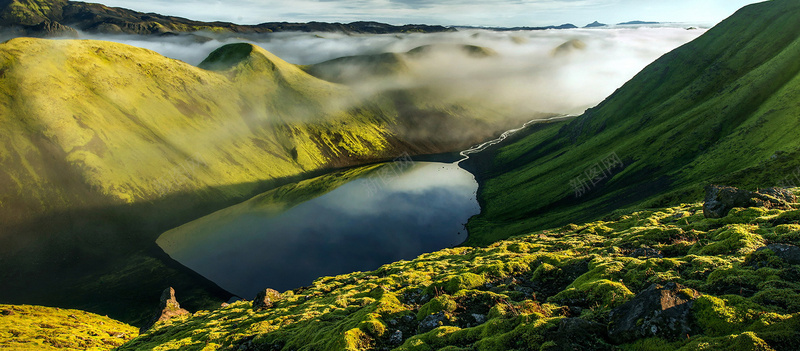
396, 338
658, 311
578, 334
266, 299
721, 199
168, 308
789, 253
431, 322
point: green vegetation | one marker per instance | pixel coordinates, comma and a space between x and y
45, 328
720, 109
30, 12
513, 295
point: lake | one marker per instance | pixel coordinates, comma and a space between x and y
345, 221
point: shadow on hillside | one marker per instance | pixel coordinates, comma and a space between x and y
105, 260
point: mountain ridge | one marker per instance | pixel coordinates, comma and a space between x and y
706, 116
62, 17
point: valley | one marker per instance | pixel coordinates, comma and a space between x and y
325, 186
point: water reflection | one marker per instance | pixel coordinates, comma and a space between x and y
334, 224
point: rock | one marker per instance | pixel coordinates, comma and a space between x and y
659, 311
646, 252
7, 312
579, 334
396, 338
783, 195
168, 309
431, 322
479, 318
721, 199
789, 253
266, 299
51, 29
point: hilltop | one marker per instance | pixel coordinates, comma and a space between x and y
62, 17
106, 146
718, 109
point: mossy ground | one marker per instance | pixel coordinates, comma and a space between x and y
512, 294
45, 328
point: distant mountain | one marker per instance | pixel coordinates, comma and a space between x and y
636, 23
595, 24
510, 29
361, 68
62, 17
722, 109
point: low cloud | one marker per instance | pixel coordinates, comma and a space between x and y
554, 71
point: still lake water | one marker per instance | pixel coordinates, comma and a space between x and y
355, 220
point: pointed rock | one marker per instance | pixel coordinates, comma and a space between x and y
266, 299
168, 309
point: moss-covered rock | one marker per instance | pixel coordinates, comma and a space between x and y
745, 299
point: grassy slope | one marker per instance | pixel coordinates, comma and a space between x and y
719, 106
124, 117
105, 146
523, 287
44, 328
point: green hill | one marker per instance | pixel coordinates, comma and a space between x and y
358, 69
45, 328
722, 108
105, 146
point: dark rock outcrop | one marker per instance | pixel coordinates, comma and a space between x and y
51, 29
431, 322
578, 334
168, 309
788, 253
721, 199
266, 299
659, 311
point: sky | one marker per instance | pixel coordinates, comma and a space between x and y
495, 13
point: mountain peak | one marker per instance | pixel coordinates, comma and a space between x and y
228, 56
595, 24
